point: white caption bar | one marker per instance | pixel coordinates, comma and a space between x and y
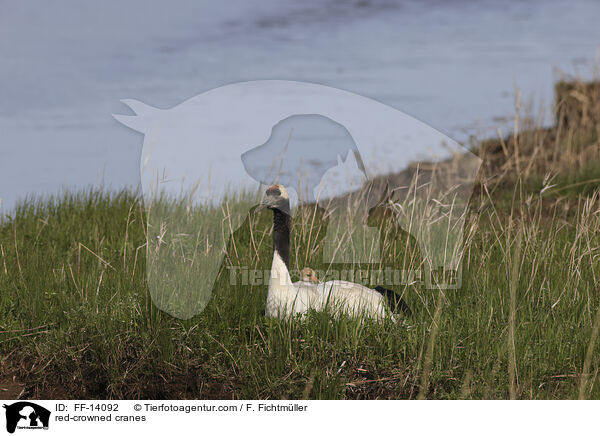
296, 417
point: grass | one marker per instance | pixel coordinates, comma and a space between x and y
77, 317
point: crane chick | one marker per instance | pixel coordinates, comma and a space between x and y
309, 275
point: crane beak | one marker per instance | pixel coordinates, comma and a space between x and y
271, 202
265, 203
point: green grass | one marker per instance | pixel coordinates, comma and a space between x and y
80, 319
77, 319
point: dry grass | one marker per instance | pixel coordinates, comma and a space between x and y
77, 317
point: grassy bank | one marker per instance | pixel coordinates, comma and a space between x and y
77, 319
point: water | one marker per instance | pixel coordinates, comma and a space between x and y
454, 65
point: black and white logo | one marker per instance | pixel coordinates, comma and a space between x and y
26, 415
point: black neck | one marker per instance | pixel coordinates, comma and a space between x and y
281, 235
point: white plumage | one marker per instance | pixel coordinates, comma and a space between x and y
286, 298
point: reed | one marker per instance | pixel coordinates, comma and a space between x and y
78, 318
